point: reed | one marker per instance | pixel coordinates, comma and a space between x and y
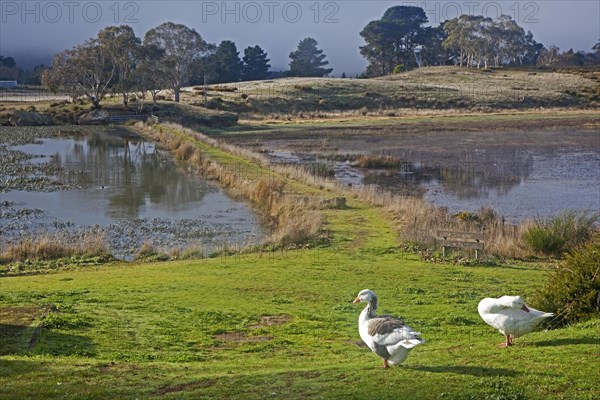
48, 246
378, 161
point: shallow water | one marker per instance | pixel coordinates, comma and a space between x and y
128, 187
520, 175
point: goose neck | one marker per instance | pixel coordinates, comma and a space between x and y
372, 307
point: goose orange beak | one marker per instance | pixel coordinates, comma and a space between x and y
356, 300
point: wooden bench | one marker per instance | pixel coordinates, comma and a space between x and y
460, 240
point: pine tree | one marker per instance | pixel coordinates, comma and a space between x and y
227, 62
256, 64
307, 60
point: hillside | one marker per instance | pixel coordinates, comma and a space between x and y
432, 88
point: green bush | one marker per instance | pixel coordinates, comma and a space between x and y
556, 235
398, 69
573, 289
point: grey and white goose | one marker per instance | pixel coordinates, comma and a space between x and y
387, 336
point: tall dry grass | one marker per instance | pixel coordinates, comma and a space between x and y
297, 219
55, 246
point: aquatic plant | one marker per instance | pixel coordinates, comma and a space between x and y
555, 235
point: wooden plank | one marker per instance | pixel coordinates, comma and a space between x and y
445, 234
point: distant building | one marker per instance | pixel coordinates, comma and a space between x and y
8, 84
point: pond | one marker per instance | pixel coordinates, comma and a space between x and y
520, 174
119, 183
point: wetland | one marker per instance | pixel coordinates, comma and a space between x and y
62, 180
520, 173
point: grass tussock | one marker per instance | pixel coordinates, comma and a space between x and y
52, 247
561, 233
573, 288
148, 252
185, 151
378, 161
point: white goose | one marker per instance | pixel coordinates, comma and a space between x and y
511, 316
387, 336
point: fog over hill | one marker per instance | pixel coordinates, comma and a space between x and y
32, 31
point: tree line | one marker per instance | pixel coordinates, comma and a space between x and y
171, 56
399, 40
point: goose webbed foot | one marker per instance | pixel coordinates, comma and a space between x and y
507, 343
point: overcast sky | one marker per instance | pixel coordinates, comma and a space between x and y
32, 31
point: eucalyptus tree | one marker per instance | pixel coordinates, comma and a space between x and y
124, 50
86, 70
182, 47
477, 40
149, 76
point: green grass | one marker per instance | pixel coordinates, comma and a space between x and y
195, 329
281, 325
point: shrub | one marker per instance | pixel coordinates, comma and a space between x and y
573, 289
561, 233
398, 69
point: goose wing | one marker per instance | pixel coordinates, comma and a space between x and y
387, 330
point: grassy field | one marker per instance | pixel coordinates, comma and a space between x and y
431, 88
280, 324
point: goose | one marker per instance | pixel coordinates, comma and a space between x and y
511, 316
387, 336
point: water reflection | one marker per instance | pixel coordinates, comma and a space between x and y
518, 181
132, 170
469, 174
131, 189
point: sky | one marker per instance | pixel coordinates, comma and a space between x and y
33, 31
